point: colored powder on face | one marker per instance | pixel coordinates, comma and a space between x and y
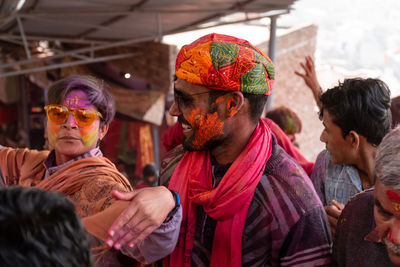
219, 100
89, 134
208, 126
395, 198
228, 103
71, 120
228, 106
72, 101
52, 133
77, 99
390, 236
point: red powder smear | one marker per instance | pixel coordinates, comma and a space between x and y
219, 100
53, 127
393, 196
233, 112
228, 103
208, 126
390, 237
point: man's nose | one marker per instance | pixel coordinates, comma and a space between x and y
322, 137
394, 233
174, 110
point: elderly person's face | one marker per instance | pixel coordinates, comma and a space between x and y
79, 132
387, 219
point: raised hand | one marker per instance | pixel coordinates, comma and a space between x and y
310, 78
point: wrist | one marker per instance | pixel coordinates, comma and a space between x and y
177, 204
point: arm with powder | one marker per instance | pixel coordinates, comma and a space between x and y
141, 214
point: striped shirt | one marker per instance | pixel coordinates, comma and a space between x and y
286, 224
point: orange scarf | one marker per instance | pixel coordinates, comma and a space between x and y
25, 168
72, 177
228, 203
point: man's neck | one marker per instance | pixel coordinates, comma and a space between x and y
366, 165
229, 150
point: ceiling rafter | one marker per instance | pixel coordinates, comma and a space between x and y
108, 33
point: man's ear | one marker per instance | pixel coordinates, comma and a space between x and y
353, 138
103, 130
234, 102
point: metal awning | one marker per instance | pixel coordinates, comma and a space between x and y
95, 25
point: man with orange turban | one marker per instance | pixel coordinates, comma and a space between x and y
245, 201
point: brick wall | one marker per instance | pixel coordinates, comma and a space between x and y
289, 89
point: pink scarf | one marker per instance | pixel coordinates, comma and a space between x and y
228, 203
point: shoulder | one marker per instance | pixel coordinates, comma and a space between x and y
323, 159
169, 164
354, 224
357, 218
361, 204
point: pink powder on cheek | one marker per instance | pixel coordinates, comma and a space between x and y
395, 198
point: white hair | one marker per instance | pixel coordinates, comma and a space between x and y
387, 167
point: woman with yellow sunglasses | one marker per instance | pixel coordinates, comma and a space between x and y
79, 112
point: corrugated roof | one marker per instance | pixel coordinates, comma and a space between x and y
101, 24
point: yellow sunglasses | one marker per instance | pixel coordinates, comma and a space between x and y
83, 117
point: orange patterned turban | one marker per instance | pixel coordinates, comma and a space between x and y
226, 63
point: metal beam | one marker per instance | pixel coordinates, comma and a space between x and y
67, 64
149, 10
6, 20
246, 19
48, 38
159, 26
271, 53
75, 23
272, 38
81, 50
21, 30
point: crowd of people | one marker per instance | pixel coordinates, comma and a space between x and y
234, 190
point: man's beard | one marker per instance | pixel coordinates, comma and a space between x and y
210, 144
393, 247
189, 143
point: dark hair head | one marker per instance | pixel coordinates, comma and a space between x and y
361, 105
94, 89
39, 228
149, 170
256, 102
286, 119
